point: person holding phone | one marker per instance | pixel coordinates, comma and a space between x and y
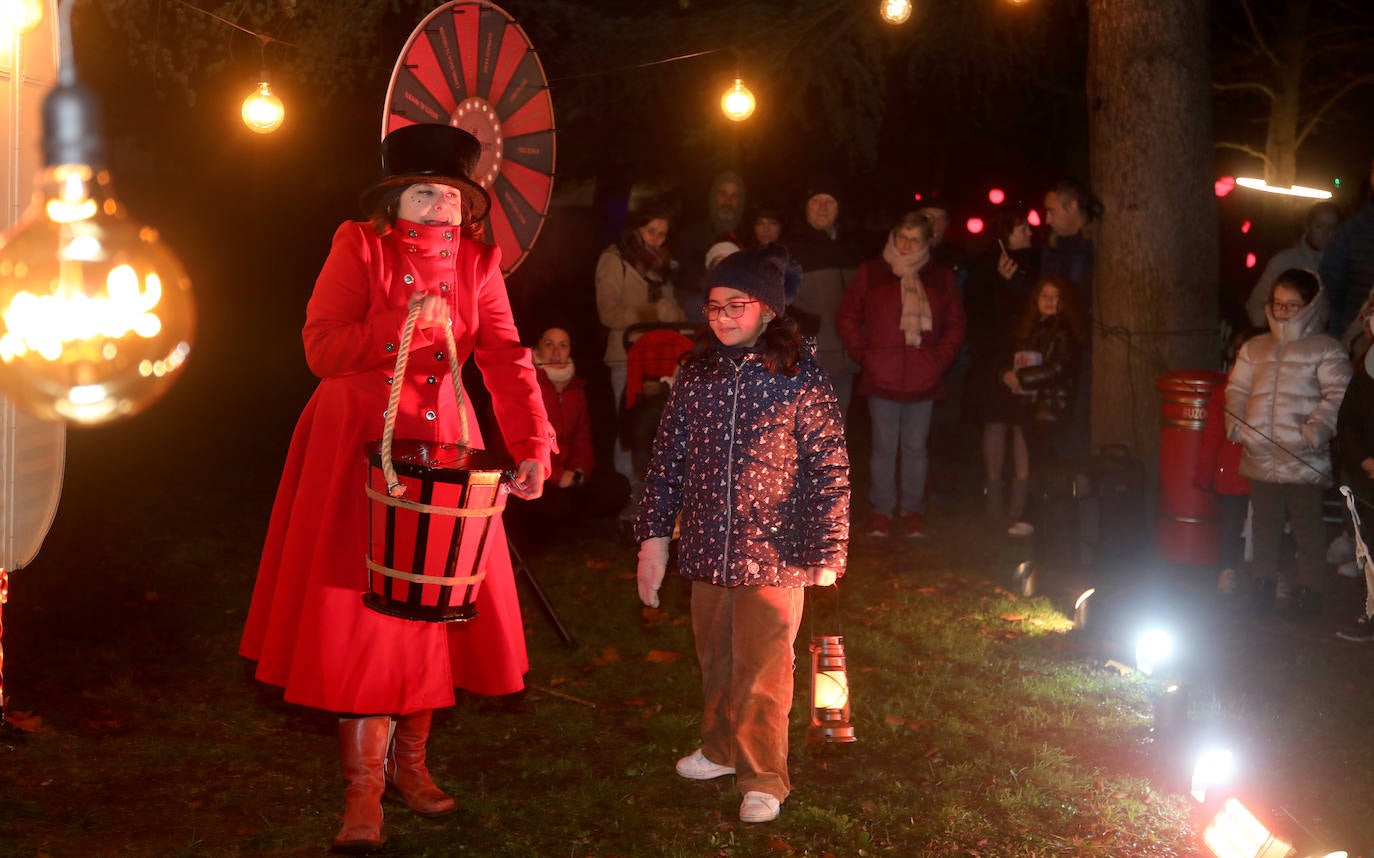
999, 282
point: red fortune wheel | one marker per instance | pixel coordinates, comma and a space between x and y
468, 64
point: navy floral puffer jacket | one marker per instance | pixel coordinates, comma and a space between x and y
756, 463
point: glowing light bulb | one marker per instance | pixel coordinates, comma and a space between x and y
738, 102
262, 111
21, 15
974, 225
895, 11
997, 196
96, 315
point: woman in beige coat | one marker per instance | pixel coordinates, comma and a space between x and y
634, 283
1282, 398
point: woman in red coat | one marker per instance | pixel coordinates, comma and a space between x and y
307, 627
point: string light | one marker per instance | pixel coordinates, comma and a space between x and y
738, 102
895, 11
262, 111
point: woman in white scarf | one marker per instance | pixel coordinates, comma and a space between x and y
903, 320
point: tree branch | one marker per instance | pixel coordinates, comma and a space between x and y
1259, 36
1249, 85
1241, 147
1330, 103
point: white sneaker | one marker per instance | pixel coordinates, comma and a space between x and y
1021, 528
696, 767
1349, 570
1226, 582
758, 807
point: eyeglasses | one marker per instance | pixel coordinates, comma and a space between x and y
1289, 306
732, 310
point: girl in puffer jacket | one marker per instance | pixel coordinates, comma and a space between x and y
751, 452
1282, 398
1050, 338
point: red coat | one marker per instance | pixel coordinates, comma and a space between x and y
307, 627
869, 320
572, 424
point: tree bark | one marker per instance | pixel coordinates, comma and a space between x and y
1156, 274
1281, 137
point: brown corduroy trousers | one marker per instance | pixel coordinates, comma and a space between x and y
744, 639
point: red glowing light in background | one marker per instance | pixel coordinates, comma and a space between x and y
1224, 185
1033, 217
1250, 260
997, 196
916, 196
1245, 228
975, 225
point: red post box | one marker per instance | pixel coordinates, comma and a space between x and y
1189, 528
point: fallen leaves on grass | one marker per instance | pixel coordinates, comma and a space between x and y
27, 722
609, 655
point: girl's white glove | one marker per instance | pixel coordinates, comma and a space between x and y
653, 564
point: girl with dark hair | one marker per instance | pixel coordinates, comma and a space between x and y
1282, 399
1044, 374
750, 453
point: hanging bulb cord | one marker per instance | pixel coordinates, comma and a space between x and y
66, 62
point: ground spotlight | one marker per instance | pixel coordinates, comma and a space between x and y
1153, 648
1024, 578
1235, 833
1080, 609
1214, 767
1171, 711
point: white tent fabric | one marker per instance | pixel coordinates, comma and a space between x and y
32, 451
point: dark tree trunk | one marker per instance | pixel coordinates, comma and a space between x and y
1156, 258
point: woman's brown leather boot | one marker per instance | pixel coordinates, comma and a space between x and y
407, 778
362, 742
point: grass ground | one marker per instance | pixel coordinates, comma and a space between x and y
986, 726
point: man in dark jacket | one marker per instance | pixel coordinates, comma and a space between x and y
827, 262
903, 319
1347, 268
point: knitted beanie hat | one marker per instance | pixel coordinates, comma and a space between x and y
765, 272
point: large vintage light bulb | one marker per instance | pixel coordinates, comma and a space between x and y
262, 111
96, 314
738, 102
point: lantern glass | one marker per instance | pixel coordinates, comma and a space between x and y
829, 692
96, 315
262, 111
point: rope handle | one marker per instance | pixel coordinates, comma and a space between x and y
394, 488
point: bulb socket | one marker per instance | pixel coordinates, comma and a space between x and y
71, 128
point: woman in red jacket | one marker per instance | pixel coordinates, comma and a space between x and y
903, 321
307, 627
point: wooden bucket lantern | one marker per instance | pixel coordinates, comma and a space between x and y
431, 513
